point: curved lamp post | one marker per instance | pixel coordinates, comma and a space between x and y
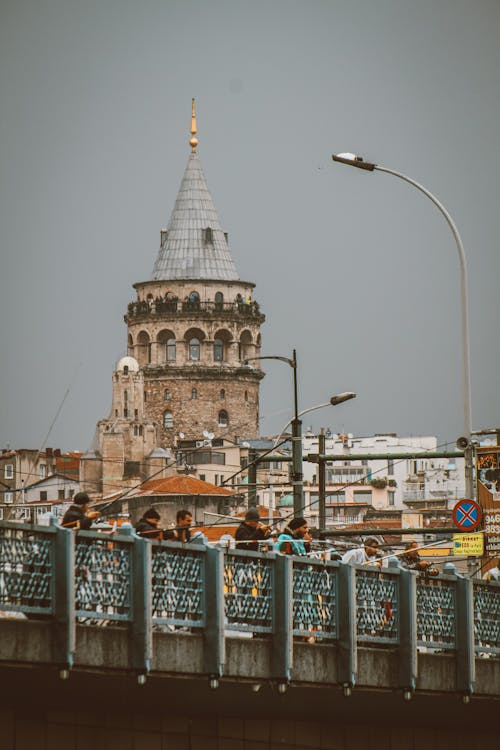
296, 422
357, 161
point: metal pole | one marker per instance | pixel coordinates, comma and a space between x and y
297, 475
469, 485
321, 480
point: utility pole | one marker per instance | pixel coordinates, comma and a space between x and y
321, 480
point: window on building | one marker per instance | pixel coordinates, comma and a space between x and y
171, 352
203, 477
168, 420
208, 235
219, 300
136, 413
43, 496
8, 471
43, 471
218, 350
167, 394
194, 394
246, 395
60, 494
390, 467
222, 394
391, 499
8, 498
223, 418
363, 497
194, 350
125, 370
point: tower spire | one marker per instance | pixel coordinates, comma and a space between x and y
193, 142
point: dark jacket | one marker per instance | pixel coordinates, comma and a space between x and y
148, 530
75, 518
247, 534
172, 535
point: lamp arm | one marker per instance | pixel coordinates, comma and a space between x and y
463, 290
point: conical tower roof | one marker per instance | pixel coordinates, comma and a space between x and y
194, 245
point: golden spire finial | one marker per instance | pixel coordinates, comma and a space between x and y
194, 129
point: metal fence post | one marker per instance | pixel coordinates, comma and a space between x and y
282, 653
214, 640
141, 635
464, 635
346, 613
408, 665
64, 597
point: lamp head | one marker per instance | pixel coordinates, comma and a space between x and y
341, 397
354, 161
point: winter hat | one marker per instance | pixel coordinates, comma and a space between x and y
151, 513
296, 523
252, 514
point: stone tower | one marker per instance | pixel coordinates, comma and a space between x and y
189, 330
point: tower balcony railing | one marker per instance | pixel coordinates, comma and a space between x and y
121, 580
143, 310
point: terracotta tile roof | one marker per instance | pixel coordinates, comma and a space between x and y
184, 485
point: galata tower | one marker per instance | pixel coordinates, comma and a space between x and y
190, 329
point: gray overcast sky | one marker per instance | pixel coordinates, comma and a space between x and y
358, 271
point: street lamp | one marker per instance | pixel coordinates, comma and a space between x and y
357, 161
296, 422
297, 480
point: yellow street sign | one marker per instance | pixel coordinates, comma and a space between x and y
468, 544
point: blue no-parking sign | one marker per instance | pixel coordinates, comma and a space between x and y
467, 515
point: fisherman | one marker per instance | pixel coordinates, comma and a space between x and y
181, 532
411, 560
363, 555
148, 525
295, 538
251, 531
78, 517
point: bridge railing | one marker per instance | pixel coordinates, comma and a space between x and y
487, 617
93, 578
103, 577
27, 557
178, 585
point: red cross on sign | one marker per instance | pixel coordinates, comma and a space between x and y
467, 515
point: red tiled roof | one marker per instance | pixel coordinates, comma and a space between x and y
185, 485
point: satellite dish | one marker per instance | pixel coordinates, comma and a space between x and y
210, 435
181, 435
205, 433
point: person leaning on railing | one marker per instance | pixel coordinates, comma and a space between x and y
78, 515
367, 554
411, 560
148, 525
251, 531
295, 538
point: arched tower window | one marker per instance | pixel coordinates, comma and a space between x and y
144, 345
223, 418
168, 420
194, 349
218, 350
222, 394
194, 393
167, 394
219, 300
171, 351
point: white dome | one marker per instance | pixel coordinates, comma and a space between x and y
130, 362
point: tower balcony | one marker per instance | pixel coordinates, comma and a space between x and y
146, 310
